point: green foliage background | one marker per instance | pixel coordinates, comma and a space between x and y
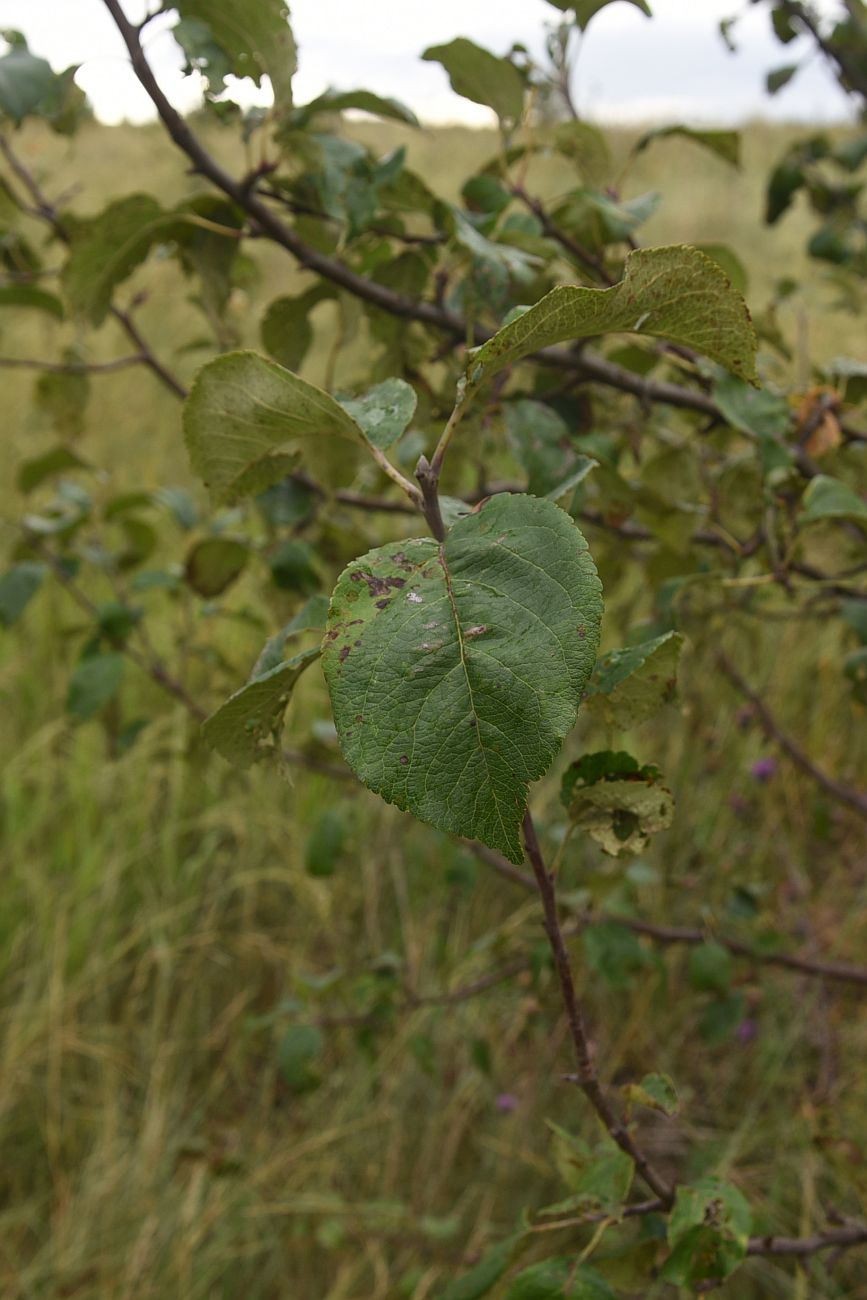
206, 1071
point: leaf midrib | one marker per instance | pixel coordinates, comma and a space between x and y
463, 660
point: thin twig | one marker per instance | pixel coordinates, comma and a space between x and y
583, 364
587, 1077
582, 255
153, 667
836, 789
45, 211
800, 1247
841, 972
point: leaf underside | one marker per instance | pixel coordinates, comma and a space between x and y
675, 293
455, 671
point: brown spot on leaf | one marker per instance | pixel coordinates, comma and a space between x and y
378, 586
344, 654
404, 760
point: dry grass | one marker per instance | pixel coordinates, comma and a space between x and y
160, 931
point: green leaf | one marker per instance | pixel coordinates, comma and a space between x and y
485, 1275
559, 1279
384, 411
784, 30
25, 81
675, 293
246, 727
829, 498
214, 563
655, 1091
94, 683
203, 54
28, 295
780, 77
731, 264
710, 968
619, 804
18, 586
584, 10
721, 1017
540, 438
599, 1176
614, 952
299, 1048
246, 418
325, 844
335, 101
757, 411
725, 144
478, 75
286, 331
33, 472
254, 35
584, 465
106, 249
293, 567
708, 1231
310, 618
630, 685
63, 396
455, 671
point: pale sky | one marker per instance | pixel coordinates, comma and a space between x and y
631, 68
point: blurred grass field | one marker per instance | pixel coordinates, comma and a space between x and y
160, 930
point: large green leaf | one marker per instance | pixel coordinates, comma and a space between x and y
107, 248
246, 418
246, 727
478, 75
254, 35
455, 671
675, 293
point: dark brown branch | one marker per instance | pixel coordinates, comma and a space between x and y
583, 364
308, 210
801, 1247
836, 789
587, 1078
583, 256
